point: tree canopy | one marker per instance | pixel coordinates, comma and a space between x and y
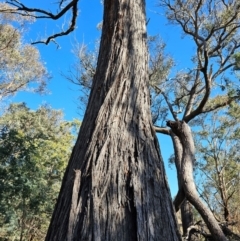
35, 147
218, 164
21, 67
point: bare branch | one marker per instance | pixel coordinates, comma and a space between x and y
207, 80
22, 9
167, 101
192, 96
46, 14
162, 130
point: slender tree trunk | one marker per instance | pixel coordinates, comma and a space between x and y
183, 131
222, 188
187, 221
180, 201
178, 151
115, 187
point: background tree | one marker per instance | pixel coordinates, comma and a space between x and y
214, 28
35, 147
218, 165
114, 186
82, 71
20, 65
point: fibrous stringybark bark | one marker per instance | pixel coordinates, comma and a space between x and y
115, 187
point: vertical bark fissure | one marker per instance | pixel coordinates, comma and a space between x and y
75, 205
124, 194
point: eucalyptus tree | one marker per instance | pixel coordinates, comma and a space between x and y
114, 187
214, 29
218, 164
20, 63
208, 85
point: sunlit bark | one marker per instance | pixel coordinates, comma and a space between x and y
115, 186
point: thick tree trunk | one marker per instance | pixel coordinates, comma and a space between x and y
115, 187
183, 131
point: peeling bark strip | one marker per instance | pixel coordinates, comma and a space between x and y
183, 132
124, 193
75, 207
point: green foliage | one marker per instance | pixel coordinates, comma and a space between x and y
236, 58
35, 147
160, 63
219, 165
20, 65
82, 71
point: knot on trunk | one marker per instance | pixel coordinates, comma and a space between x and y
175, 126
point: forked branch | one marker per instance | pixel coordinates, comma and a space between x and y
41, 13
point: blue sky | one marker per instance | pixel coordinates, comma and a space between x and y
63, 93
